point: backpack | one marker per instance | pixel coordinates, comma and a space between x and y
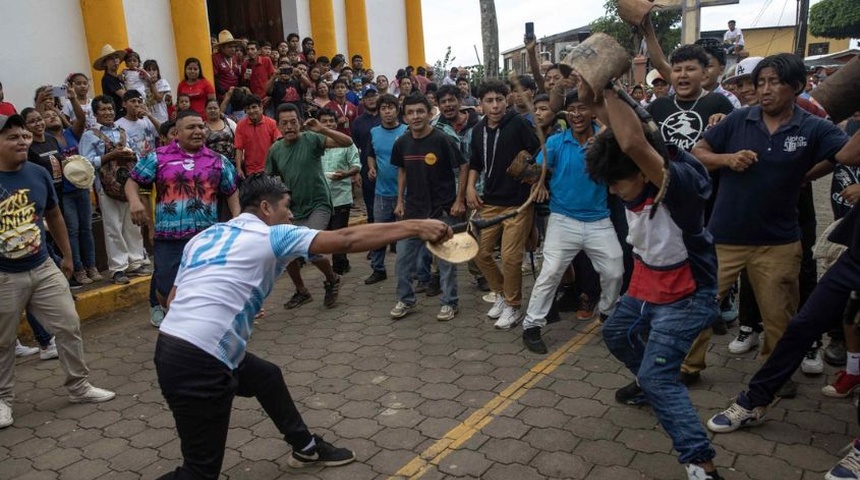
114, 174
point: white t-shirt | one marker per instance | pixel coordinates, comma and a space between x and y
730, 35
226, 273
134, 82
141, 135
69, 112
159, 109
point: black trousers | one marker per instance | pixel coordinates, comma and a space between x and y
339, 219
199, 390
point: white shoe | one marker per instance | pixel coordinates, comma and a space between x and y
49, 352
695, 472
92, 395
24, 351
812, 362
510, 318
746, 340
401, 309
156, 315
447, 313
5, 414
490, 297
498, 307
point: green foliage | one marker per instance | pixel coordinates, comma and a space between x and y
666, 25
442, 67
835, 19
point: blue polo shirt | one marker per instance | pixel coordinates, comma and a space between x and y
572, 192
759, 206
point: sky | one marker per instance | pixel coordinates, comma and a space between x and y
458, 22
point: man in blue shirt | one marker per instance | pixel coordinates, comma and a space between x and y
578, 221
763, 154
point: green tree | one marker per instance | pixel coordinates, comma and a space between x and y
667, 25
835, 19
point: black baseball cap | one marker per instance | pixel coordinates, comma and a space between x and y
11, 121
130, 94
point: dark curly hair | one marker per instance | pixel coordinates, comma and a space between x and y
607, 163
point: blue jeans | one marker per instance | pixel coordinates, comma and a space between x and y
652, 341
425, 266
408, 251
78, 213
39, 333
383, 212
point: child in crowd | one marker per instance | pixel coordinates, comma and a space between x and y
183, 102
80, 85
134, 77
159, 99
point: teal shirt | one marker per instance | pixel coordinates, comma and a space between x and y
342, 159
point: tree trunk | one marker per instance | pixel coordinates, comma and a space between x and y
490, 38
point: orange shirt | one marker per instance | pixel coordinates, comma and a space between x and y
255, 141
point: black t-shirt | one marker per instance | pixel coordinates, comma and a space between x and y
48, 155
493, 150
111, 85
290, 91
684, 122
25, 196
843, 177
431, 186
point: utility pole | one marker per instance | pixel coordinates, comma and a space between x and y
800, 28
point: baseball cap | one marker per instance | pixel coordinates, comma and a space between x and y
130, 94
652, 76
370, 88
744, 68
11, 121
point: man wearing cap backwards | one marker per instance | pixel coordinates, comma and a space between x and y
578, 221
28, 278
188, 178
201, 355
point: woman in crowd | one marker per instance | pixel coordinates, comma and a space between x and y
220, 131
158, 99
198, 89
405, 84
321, 94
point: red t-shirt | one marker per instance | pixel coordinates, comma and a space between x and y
7, 109
226, 71
255, 141
346, 114
261, 71
198, 92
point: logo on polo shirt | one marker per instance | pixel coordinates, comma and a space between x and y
683, 129
792, 143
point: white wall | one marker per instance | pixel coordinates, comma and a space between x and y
150, 33
303, 19
386, 31
43, 41
340, 28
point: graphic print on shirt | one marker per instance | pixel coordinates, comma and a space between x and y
683, 128
19, 235
843, 177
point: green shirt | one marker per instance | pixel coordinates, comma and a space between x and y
300, 168
342, 159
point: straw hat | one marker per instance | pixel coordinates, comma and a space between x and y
460, 248
226, 38
107, 51
78, 171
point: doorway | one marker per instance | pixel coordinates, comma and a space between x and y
253, 19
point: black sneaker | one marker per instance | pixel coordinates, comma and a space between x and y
323, 453
483, 284
631, 395
298, 299
376, 277
689, 378
74, 284
120, 278
332, 289
434, 286
532, 340
788, 390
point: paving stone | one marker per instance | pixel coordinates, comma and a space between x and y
394, 438
582, 407
505, 427
551, 439
761, 467
440, 408
561, 465
465, 463
436, 427
134, 459
613, 473
604, 452
508, 450
16, 467
657, 465
56, 459
356, 428
648, 441
38, 475
438, 391
105, 448
388, 462
745, 442
85, 468
806, 457
33, 447
592, 428
394, 418
542, 417
254, 470
514, 471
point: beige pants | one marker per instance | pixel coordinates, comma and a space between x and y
123, 241
44, 292
514, 232
773, 272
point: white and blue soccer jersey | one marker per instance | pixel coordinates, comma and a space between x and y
227, 271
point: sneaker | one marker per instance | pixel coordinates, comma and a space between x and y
5, 414
483, 284
420, 287
533, 341
498, 307
24, 351
434, 286
585, 311
342, 269
632, 395
511, 317
332, 290
376, 277
847, 469
844, 385
696, 472
140, 271
490, 297
746, 340
120, 278
729, 309
835, 353
82, 278
736, 417
401, 309
298, 299
92, 395
74, 284
322, 453
94, 274
812, 364
49, 352
447, 313
788, 390
156, 315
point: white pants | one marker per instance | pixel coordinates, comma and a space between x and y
565, 238
123, 241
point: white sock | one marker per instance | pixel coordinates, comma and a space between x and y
852, 367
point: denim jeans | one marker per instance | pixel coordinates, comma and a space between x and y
78, 213
168, 256
39, 333
408, 251
652, 340
199, 390
383, 212
424, 266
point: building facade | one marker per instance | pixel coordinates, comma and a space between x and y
551, 48
46, 40
764, 41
